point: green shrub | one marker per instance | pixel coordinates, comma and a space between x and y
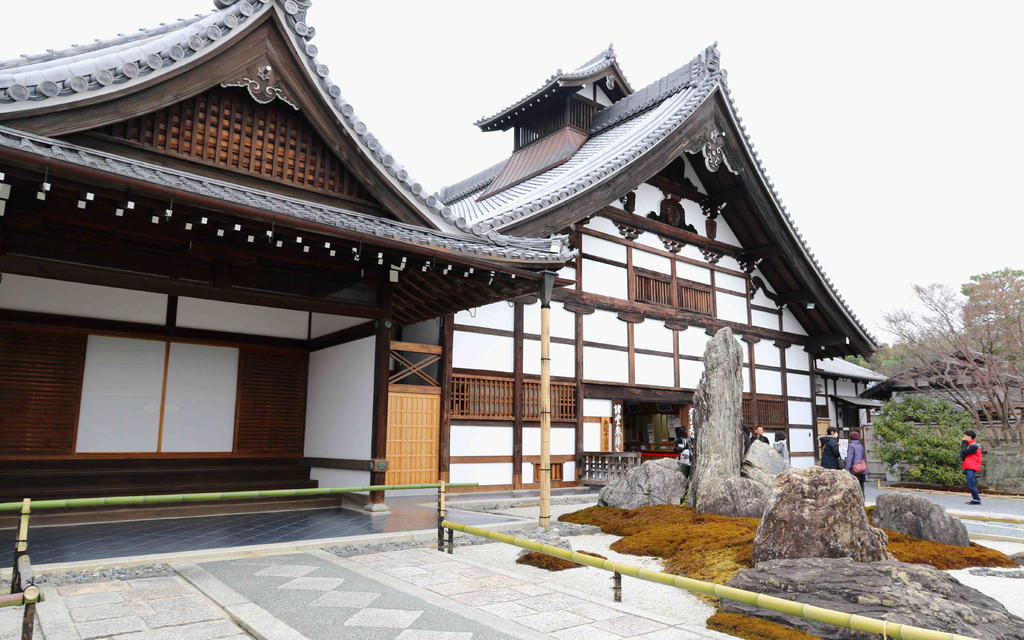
922, 435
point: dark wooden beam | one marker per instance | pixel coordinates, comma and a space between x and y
358, 332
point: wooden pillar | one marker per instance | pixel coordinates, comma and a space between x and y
517, 397
579, 395
381, 362
445, 436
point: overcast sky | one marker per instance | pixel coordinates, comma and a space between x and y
892, 130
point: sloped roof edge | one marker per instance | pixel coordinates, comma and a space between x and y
494, 246
113, 64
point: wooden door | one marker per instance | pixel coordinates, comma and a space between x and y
413, 434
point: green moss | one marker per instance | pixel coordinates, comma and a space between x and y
551, 563
752, 628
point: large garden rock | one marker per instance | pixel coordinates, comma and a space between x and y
654, 482
733, 497
913, 594
762, 463
919, 517
817, 513
717, 414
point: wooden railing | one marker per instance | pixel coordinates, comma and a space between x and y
695, 299
602, 467
491, 398
771, 412
656, 288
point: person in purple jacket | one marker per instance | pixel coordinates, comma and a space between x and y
855, 453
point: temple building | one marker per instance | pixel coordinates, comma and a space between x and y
214, 277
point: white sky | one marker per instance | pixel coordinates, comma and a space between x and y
892, 130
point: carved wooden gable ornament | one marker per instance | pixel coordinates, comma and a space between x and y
264, 84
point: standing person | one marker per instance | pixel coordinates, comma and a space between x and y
830, 449
970, 453
757, 433
782, 446
855, 454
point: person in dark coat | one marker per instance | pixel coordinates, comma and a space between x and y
757, 433
855, 453
830, 449
970, 453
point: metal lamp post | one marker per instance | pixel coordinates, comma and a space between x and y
546, 286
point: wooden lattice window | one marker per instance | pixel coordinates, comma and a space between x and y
696, 298
771, 412
556, 471
652, 287
225, 127
482, 397
492, 398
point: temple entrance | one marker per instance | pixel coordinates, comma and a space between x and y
650, 428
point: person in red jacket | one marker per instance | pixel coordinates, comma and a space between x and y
970, 453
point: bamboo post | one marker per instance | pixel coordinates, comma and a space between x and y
547, 284
20, 544
617, 586
440, 516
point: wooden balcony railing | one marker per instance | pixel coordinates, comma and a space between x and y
491, 398
602, 467
771, 412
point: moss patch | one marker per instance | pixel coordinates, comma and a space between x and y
551, 563
753, 628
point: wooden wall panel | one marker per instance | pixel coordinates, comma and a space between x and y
40, 384
271, 401
224, 127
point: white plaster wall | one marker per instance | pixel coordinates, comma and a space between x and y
765, 319
194, 313
654, 370
483, 473
605, 327
801, 441
731, 282
597, 408
650, 240
527, 473
798, 384
746, 378
790, 324
323, 323
604, 248
759, 297
339, 401
41, 295
687, 271
605, 365
689, 373
648, 198
591, 436
730, 307
652, 334
803, 462
482, 351
569, 273
725, 233
498, 315
652, 262
563, 323
603, 225
481, 440
768, 382
605, 279
767, 354
693, 253
328, 478
563, 359
569, 470
798, 359
693, 341
728, 262
845, 387
800, 413
563, 441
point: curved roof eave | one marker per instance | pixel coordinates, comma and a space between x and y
108, 67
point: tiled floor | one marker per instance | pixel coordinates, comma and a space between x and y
76, 543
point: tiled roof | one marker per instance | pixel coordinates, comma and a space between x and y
602, 61
493, 246
844, 369
621, 134
109, 66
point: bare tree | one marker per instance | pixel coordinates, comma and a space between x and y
968, 347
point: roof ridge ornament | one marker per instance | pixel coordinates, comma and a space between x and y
710, 142
263, 83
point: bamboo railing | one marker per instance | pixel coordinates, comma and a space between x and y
24, 592
842, 619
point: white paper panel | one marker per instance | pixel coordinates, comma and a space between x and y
605, 365
654, 370
767, 354
765, 319
604, 327
591, 436
731, 282
687, 271
731, 307
195, 313
797, 359
800, 413
478, 440
604, 248
121, 389
652, 262
480, 351
597, 408
768, 382
692, 342
324, 323
801, 441
690, 372
563, 323
563, 441
797, 384
653, 335
199, 410
339, 401
563, 359
498, 315
482, 473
